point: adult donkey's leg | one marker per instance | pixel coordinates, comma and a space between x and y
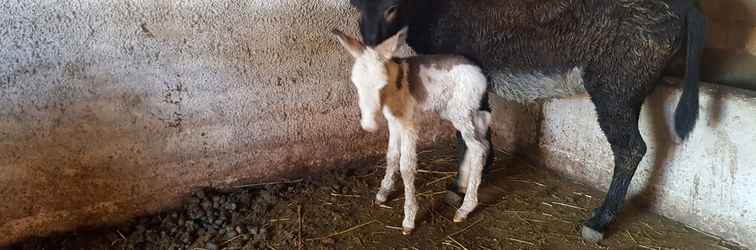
619, 121
488, 163
460, 182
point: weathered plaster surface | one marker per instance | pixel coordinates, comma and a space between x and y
111, 109
515, 127
707, 182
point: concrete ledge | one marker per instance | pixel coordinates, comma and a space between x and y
706, 182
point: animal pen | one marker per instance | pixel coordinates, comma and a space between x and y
580, 124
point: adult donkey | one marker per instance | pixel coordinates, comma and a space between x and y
615, 50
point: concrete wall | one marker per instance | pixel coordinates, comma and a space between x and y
707, 182
111, 109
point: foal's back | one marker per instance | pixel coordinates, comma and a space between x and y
441, 79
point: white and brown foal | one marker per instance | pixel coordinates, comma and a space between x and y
400, 88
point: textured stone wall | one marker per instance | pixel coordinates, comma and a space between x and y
111, 109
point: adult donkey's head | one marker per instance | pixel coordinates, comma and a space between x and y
380, 19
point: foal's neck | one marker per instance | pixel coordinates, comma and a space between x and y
397, 95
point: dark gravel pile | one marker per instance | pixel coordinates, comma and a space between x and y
208, 220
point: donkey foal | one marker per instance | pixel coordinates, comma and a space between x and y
400, 88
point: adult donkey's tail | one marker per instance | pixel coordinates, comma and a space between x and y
686, 113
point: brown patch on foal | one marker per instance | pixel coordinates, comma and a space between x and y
412, 75
396, 95
406, 87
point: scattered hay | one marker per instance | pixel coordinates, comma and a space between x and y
522, 207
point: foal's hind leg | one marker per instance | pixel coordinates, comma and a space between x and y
473, 131
459, 186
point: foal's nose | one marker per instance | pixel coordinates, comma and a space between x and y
369, 126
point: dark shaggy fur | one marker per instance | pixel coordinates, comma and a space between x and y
621, 47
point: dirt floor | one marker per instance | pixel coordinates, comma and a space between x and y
523, 207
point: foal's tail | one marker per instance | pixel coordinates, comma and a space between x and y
686, 113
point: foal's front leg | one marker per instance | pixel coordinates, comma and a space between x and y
408, 168
392, 163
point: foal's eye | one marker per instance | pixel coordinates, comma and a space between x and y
390, 13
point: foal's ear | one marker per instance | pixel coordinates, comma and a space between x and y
354, 46
389, 46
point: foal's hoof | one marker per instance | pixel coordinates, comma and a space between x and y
407, 231
459, 219
381, 197
592, 235
460, 216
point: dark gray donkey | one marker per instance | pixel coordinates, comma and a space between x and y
615, 50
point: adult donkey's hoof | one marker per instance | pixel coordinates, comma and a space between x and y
453, 199
591, 235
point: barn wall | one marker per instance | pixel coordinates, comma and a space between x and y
111, 109
705, 182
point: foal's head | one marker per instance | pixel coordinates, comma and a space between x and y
370, 73
379, 19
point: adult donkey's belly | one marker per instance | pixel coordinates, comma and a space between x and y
534, 49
